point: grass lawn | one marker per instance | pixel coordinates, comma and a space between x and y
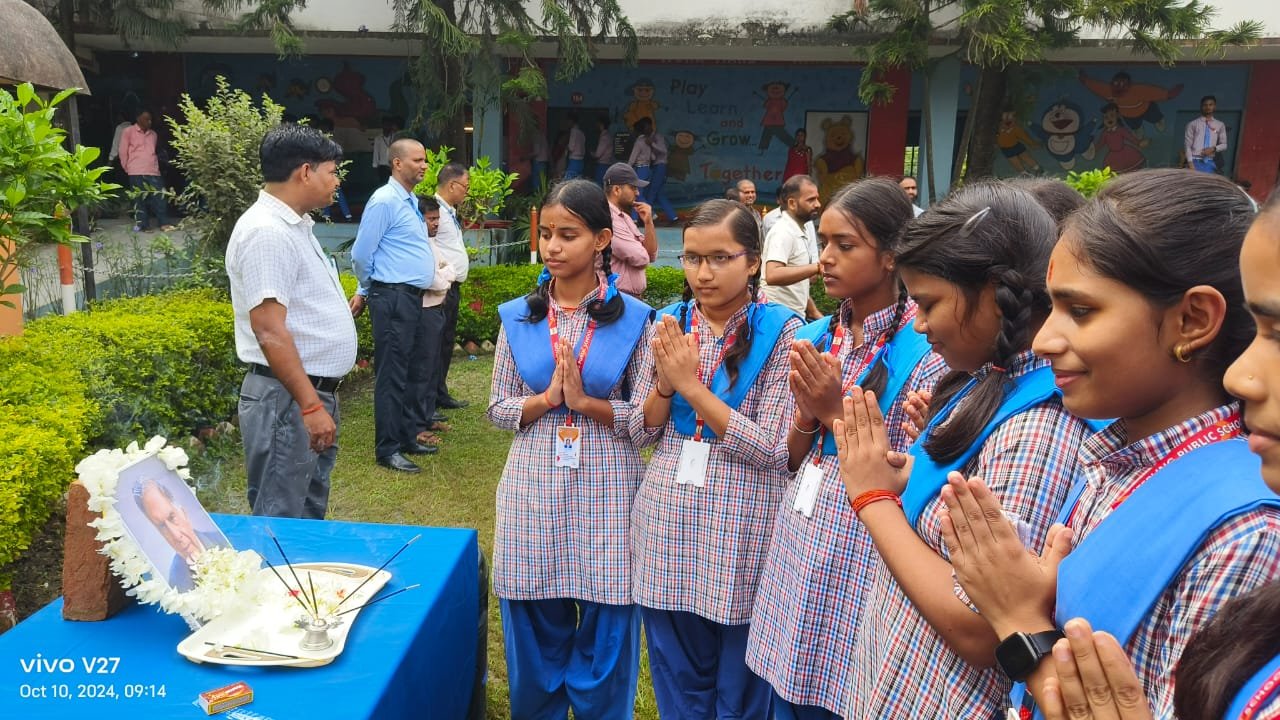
455, 489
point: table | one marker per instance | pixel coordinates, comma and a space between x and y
413, 656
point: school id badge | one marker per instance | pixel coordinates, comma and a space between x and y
807, 492
568, 446
692, 469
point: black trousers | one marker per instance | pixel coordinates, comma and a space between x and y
447, 339
399, 336
424, 392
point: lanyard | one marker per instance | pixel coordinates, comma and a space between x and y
553, 328
1264, 693
837, 342
1223, 430
728, 343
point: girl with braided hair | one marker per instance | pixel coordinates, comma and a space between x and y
975, 266
567, 354
818, 568
713, 389
1169, 517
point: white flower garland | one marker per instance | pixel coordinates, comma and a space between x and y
225, 579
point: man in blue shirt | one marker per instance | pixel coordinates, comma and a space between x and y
395, 265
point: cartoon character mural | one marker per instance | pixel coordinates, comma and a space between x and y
1013, 141
642, 103
1123, 147
1136, 104
357, 103
1065, 133
838, 164
774, 123
683, 145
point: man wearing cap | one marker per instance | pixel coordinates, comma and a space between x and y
632, 251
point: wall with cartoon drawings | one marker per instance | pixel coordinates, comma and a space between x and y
722, 122
1122, 116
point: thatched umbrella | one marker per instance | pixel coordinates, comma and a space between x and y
34, 52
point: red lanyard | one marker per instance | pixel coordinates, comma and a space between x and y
728, 343
1223, 430
1259, 698
553, 327
837, 342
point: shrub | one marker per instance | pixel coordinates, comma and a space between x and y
364, 326
121, 372
217, 151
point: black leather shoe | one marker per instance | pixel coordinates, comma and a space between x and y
398, 463
439, 417
451, 404
419, 449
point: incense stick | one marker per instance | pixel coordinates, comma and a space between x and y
292, 593
375, 572
314, 599
378, 600
251, 650
315, 611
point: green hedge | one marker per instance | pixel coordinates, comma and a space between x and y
125, 370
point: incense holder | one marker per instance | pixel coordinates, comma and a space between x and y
281, 630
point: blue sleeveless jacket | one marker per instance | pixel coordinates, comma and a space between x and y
928, 476
901, 356
767, 322
613, 346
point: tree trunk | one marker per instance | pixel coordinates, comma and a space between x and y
966, 137
985, 112
926, 142
453, 133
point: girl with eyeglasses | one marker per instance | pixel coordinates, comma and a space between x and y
567, 355
1168, 519
975, 266
713, 388
818, 568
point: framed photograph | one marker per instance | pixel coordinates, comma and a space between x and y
162, 515
839, 142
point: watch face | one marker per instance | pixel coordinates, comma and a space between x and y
1016, 657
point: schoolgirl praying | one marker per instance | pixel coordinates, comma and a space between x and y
1169, 518
975, 265
820, 558
567, 354
713, 389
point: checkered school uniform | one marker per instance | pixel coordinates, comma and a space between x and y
564, 533
1241, 555
700, 550
818, 568
902, 668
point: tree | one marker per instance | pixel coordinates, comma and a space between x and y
1000, 36
476, 48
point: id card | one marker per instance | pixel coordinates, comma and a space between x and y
807, 493
568, 446
692, 469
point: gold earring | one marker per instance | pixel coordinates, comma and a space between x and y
1183, 353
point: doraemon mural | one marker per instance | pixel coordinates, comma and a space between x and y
1065, 133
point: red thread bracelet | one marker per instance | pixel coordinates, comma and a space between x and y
314, 408
547, 399
872, 496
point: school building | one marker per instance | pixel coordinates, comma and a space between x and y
729, 84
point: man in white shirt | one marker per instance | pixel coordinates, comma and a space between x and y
1206, 136
603, 154
912, 189
292, 327
788, 263
452, 185
382, 148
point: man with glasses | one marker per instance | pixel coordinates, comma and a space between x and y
452, 185
395, 266
632, 251
788, 261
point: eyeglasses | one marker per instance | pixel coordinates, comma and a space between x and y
717, 262
465, 186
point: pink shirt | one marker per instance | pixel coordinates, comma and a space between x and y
138, 152
629, 256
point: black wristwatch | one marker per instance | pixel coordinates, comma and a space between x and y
1020, 653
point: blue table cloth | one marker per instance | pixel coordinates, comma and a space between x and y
412, 656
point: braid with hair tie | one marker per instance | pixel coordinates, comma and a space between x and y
539, 299
1017, 303
610, 307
